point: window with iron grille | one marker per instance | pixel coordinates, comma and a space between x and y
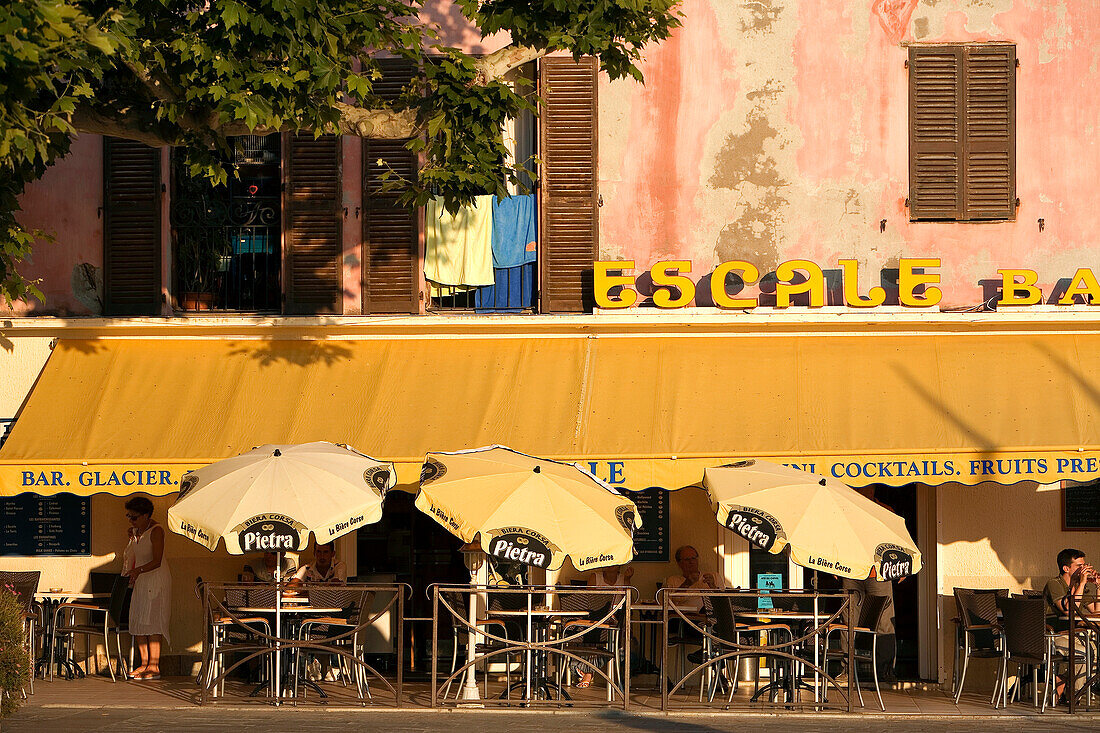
962, 132
227, 239
514, 288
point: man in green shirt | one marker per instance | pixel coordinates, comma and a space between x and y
1078, 579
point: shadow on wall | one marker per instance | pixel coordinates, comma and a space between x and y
454, 28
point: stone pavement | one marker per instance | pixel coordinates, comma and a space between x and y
247, 720
95, 704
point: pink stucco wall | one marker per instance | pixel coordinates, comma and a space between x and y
771, 131
765, 131
66, 203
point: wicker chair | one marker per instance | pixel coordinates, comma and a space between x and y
24, 584
1026, 642
600, 643
355, 603
977, 624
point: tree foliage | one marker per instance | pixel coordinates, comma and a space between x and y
190, 73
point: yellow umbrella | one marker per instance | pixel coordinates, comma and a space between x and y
527, 509
829, 526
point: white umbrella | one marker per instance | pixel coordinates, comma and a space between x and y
271, 498
828, 525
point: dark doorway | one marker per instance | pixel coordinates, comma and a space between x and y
415, 549
902, 500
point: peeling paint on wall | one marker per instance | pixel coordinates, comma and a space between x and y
789, 140
893, 16
87, 285
760, 15
938, 17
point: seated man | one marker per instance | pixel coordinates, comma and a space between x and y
324, 568
264, 570
687, 558
690, 578
1078, 578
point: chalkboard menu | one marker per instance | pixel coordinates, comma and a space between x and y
651, 541
45, 525
1080, 506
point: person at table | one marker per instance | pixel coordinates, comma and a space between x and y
151, 604
263, 570
616, 576
1077, 578
689, 578
325, 568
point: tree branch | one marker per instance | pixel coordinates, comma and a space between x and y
378, 124
85, 119
157, 86
500, 62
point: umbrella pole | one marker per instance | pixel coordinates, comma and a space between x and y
469, 689
278, 629
817, 663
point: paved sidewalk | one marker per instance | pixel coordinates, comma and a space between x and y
95, 704
115, 720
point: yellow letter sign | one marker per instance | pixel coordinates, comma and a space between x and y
1022, 291
603, 281
876, 296
667, 275
909, 281
785, 288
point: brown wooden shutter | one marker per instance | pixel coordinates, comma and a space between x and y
313, 225
962, 137
990, 104
935, 132
390, 232
569, 226
131, 228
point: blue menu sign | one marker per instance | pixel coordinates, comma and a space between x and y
45, 525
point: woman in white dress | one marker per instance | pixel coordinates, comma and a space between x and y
150, 607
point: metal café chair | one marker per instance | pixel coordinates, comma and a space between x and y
977, 624
24, 584
871, 609
229, 632
456, 600
733, 635
99, 621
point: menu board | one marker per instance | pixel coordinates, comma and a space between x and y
651, 541
1081, 506
45, 525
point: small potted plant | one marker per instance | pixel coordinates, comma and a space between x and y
197, 262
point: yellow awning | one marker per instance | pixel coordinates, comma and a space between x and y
122, 415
